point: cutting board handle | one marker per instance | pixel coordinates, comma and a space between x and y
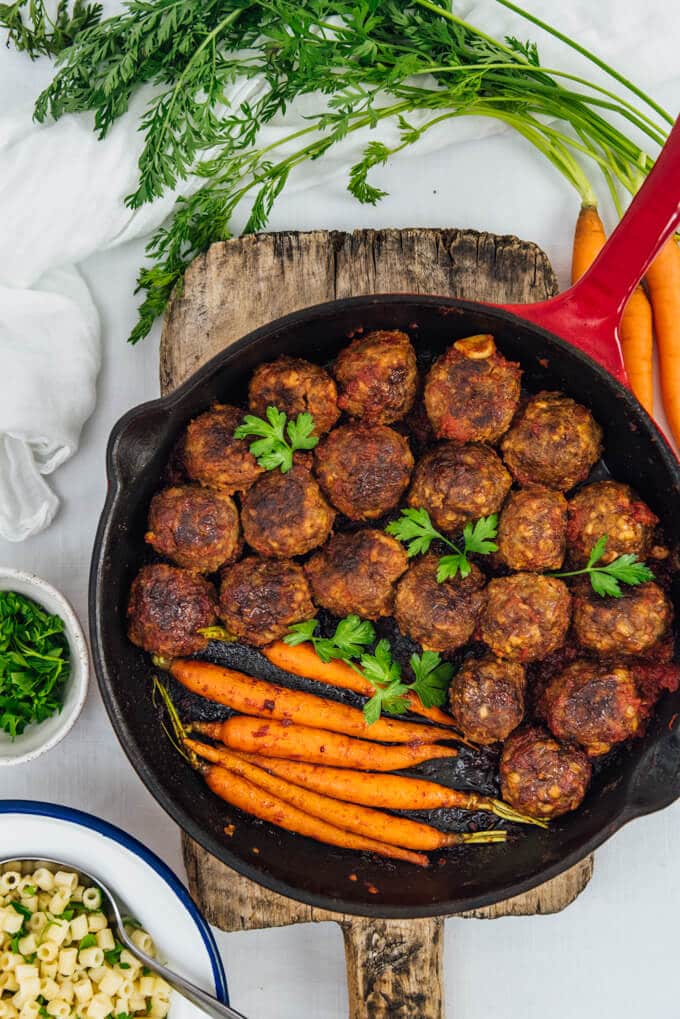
395, 968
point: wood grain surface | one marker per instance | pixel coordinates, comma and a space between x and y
394, 967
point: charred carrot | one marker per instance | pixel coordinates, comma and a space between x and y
318, 746
636, 324
268, 700
386, 828
663, 280
252, 799
302, 660
391, 792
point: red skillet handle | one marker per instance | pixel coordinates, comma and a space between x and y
589, 313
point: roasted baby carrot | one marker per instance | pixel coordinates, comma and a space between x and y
268, 700
254, 800
391, 792
386, 828
663, 280
318, 746
302, 660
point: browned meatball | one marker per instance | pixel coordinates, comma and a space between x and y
378, 377
285, 515
356, 573
532, 529
593, 704
213, 456
197, 528
167, 608
456, 483
526, 616
487, 698
472, 392
261, 598
364, 469
608, 507
541, 777
295, 386
554, 441
440, 617
628, 625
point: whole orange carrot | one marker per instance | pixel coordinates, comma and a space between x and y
386, 828
391, 792
267, 700
663, 280
636, 324
253, 800
302, 660
302, 743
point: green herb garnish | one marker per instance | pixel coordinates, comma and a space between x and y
279, 438
351, 638
415, 528
606, 580
34, 663
351, 643
113, 956
89, 941
18, 907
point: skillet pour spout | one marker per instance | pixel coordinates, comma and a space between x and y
568, 344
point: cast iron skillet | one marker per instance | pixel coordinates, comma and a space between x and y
642, 778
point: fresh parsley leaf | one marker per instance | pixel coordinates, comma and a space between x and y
351, 638
34, 663
89, 941
112, 956
392, 700
606, 580
273, 450
478, 537
415, 528
432, 678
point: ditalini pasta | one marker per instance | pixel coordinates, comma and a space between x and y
60, 959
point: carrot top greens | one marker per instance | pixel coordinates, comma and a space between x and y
413, 64
34, 663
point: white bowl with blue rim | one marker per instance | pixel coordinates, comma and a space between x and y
37, 739
162, 905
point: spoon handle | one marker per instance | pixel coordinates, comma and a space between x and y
206, 1002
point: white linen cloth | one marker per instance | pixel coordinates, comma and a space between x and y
61, 200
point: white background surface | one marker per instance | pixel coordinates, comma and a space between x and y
614, 952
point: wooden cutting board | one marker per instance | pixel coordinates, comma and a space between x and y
394, 967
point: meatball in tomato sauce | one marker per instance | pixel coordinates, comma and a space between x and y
592, 704
526, 617
472, 392
213, 457
197, 528
295, 386
629, 625
486, 698
356, 573
364, 469
167, 609
378, 377
286, 515
456, 483
261, 598
532, 529
440, 617
611, 509
554, 441
541, 777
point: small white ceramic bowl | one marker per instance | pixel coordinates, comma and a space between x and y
37, 739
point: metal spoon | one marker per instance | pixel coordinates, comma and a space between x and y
115, 909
